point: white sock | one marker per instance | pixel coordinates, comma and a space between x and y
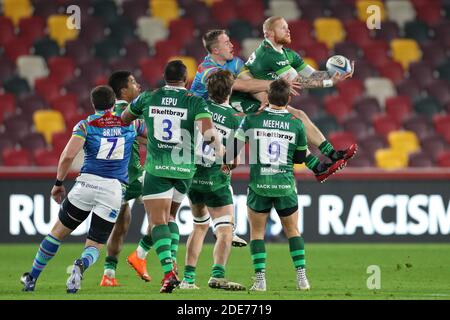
141, 253
110, 273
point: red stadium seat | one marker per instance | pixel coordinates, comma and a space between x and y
61, 68
32, 28
318, 51
383, 124
429, 13
66, 104
440, 89
46, 158
350, 89
6, 30
251, 11
223, 12
341, 140
152, 71
337, 106
165, 49
376, 52
393, 71
59, 140
136, 50
16, 158
434, 145
441, 123
420, 160
399, 107
357, 32
47, 89
182, 30
16, 47
8, 102
443, 159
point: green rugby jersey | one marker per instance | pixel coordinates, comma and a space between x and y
267, 63
209, 176
170, 114
274, 135
134, 166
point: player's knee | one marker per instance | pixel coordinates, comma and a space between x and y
100, 229
202, 221
70, 216
223, 225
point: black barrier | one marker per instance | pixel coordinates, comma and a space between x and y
337, 211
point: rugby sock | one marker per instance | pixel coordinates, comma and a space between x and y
297, 251
258, 251
110, 266
144, 246
189, 274
327, 149
89, 256
175, 236
46, 251
162, 242
218, 271
312, 162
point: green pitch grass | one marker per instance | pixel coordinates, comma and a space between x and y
335, 271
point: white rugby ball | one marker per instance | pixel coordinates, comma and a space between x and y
339, 64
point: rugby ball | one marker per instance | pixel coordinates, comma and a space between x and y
339, 64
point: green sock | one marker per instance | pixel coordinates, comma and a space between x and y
162, 241
175, 236
297, 251
326, 148
110, 263
312, 162
218, 271
258, 251
189, 274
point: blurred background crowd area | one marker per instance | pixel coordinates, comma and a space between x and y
396, 106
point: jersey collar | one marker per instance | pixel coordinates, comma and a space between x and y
269, 109
210, 58
271, 44
122, 102
174, 87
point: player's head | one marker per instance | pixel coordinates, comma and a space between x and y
279, 92
124, 85
175, 73
103, 98
277, 30
219, 85
217, 43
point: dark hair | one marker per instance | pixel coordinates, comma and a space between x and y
210, 38
118, 81
175, 71
219, 85
102, 97
279, 91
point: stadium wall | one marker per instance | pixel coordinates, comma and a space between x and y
353, 206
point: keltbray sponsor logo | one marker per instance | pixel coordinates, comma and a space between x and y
167, 111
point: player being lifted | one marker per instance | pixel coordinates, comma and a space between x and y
211, 194
171, 114
277, 141
271, 60
126, 89
107, 144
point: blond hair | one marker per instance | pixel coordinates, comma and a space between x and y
269, 23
